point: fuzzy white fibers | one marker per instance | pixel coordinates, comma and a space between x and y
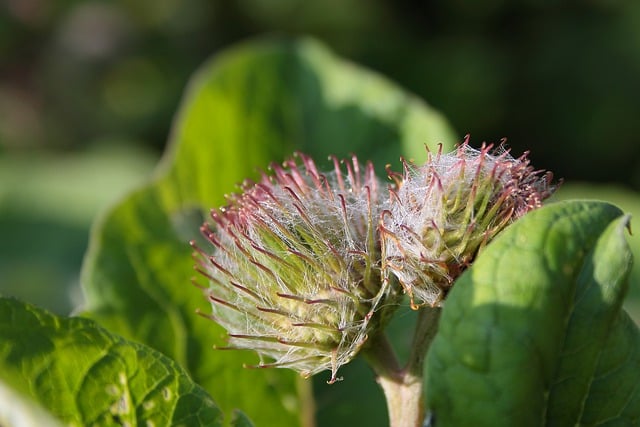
441, 213
295, 272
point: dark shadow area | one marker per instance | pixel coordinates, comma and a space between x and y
40, 261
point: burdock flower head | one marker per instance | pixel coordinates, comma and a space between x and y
294, 273
440, 214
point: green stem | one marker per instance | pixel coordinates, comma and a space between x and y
425, 332
403, 386
307, 403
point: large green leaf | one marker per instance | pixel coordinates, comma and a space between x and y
533, 334
249, 106
629, 201
84, 375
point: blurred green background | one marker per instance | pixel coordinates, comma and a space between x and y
88, 90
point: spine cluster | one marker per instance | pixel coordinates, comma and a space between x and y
306, 266
443, 212
295, 271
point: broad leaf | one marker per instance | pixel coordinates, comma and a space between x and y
249, 106
533, 334
84, 375
629, 201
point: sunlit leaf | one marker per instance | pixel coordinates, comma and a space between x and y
84, 375
247, 107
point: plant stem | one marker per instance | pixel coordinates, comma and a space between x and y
425, 332
403, 386
307, 403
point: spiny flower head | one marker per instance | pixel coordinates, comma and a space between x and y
294, 273
440, 214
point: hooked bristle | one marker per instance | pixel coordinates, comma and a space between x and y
294, 271
441, 213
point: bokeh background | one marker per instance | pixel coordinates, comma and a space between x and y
88, 90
